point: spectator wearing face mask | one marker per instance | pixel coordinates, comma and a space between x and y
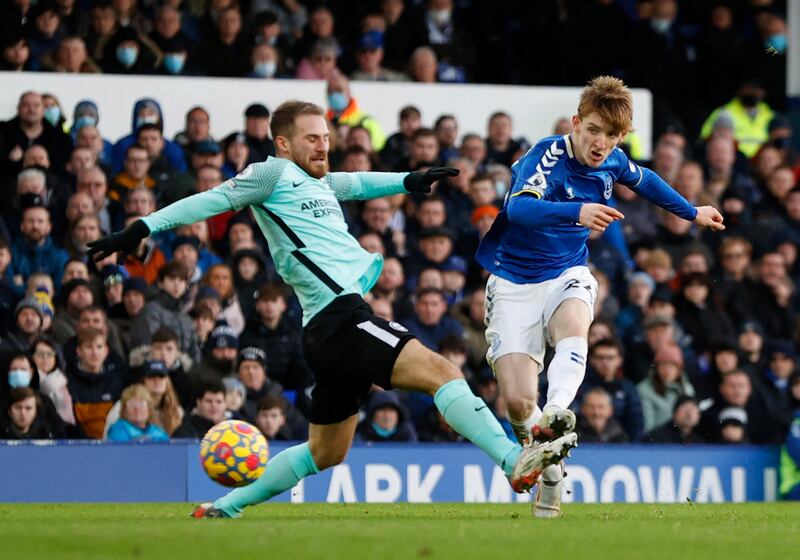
750, 116
264, 61
344, 112
20, 373
129, 52
386, 420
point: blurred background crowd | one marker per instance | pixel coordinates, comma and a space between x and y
696, 334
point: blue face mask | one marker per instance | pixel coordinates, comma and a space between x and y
501, 188
127, 56
52, 114
85, 120
19, 378
264, 69
660, 25
383, 432
778, 42
173, 62
338, 101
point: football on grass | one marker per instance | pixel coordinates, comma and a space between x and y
234, 453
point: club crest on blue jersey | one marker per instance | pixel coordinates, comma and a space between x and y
609, 183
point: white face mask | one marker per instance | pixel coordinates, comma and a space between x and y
265, 69
440, 17
660, 25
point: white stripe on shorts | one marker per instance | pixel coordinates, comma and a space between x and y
379, 333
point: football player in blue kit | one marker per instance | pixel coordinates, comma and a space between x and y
540, 290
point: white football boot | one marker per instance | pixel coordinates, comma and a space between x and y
554, 423
536, 457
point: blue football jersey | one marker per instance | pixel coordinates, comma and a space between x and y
550, 172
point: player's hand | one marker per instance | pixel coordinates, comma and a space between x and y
420, 182
708, 216
125, 242
598, 217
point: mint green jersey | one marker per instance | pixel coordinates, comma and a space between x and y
302, 221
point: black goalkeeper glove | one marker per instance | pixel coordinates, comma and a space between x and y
420, 182
125, 242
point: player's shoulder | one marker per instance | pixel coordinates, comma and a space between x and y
270, 165
543, 155
551, 147
556, 145
270, 170
618, 157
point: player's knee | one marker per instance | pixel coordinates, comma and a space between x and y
520, 406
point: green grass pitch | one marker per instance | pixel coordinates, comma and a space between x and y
401, 531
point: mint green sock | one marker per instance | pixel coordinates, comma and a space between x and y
283, 471
470, 416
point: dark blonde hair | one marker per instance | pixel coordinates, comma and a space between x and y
610, 98
285, 116
134, 392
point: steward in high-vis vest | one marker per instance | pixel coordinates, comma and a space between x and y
750, 117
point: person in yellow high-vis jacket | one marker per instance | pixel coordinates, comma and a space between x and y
344, 112
750, 116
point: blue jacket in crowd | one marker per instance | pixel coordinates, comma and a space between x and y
47, 258
122, 430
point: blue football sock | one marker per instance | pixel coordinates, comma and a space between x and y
471, 417
283, 471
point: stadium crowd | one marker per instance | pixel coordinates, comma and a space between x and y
696, 334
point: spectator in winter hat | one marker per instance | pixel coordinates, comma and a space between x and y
483, 217
733, 425
386, 420
28, 321
219, 358
75, 296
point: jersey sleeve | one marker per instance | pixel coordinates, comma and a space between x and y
254, 184
627, 172
528, 177
366, 185
526, 202
651, 187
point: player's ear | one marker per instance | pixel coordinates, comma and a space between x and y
282, 143
576, 121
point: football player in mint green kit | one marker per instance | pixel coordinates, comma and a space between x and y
295, 201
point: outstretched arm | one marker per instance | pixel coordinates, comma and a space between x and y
367, 185
251, 186
187, 211
527, 209
654, 189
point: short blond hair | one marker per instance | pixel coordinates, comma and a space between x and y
134, 392
610, 98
